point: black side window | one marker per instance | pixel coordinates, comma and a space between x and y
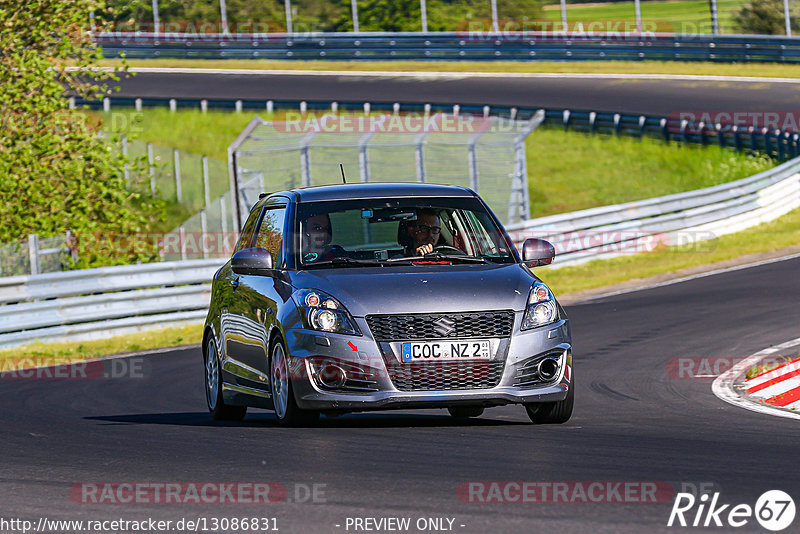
247, 232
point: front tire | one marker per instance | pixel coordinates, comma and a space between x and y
284, 403
552, 413
216, 404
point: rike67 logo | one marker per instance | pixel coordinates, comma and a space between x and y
774, 510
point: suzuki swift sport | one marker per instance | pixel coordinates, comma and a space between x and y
360, 297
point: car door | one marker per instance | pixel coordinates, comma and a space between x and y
257, 299
239, 334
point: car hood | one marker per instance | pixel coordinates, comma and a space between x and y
422, 289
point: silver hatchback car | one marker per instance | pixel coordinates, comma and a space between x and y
361, 297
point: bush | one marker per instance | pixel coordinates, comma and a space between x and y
56, 172
764, 17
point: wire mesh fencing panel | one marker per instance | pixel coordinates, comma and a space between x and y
484, 153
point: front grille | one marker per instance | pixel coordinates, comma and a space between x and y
446, 375
441, 325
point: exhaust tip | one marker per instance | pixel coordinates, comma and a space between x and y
548, 369
332, 376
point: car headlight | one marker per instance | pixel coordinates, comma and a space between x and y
325, 313
541, 308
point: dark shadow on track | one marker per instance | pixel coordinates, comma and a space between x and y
372, 420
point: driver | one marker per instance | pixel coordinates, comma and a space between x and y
317, 235
423, 233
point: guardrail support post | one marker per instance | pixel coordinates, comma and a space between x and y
204, 106
617, 124
173, 105
33, 253
137, 104
176, 159
473, 166
270, 106
779, 141
665, 130
106, 104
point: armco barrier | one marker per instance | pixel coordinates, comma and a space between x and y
465, 45
96, 303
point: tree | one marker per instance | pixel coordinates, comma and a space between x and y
56, 172
764, 17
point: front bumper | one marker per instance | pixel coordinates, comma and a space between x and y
307, 347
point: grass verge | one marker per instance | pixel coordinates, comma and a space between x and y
771, 363
760, 70
49, 354
687, 16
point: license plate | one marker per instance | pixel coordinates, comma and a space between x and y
478, 349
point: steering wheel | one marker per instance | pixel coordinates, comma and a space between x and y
449, 249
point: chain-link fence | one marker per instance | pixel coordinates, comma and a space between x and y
486, 154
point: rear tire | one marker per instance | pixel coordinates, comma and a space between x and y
465, 412
552, 413
285, 405
216, 404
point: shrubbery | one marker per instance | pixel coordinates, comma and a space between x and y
765, 17
56, 173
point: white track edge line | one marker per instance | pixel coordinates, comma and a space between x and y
688, 278
103, 358
722, 386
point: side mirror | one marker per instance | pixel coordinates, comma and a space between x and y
254, 260
538, 252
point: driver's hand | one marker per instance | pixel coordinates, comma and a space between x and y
427, 248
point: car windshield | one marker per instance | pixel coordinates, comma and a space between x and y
390, 232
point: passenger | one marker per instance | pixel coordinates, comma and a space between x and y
316, 239
423, 234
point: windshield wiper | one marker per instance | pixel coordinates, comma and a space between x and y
346, 262
438, 256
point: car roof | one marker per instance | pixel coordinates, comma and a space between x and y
378, 190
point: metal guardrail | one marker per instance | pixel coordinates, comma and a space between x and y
682, 218
94, 303
479, 45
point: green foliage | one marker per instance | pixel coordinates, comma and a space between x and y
56, 173
765, 17
321, 15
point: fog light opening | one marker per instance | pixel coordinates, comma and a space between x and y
332, 376
548, 369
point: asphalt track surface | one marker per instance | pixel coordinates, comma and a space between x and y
633, 421
623, 94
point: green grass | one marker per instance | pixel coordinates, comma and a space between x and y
594, 170
685, 16
588, 171
775, 235
49, 354
768, 364
761, 70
